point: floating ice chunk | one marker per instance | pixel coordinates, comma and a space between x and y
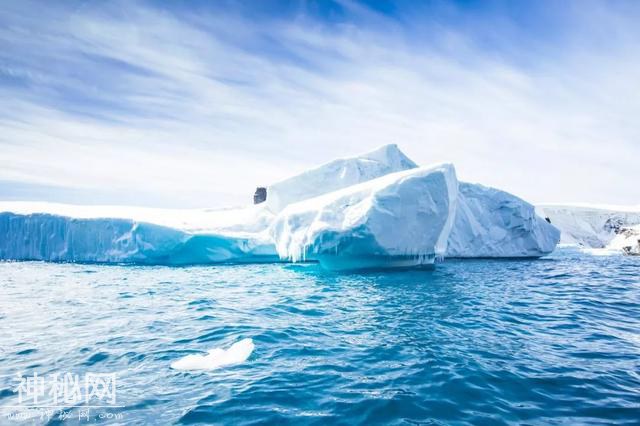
399, 220
217, 358
494, 223
336, 175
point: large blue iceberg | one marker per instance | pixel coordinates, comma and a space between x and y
375, 210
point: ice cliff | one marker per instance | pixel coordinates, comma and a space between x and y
494, 223
401, 219
42, 236
114, 234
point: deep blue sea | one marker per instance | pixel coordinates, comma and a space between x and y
549, 341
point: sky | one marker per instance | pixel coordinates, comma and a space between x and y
194, 104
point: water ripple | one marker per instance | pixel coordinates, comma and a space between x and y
477, 341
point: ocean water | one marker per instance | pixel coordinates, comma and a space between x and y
550, 341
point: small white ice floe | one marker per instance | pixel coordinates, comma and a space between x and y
236, 354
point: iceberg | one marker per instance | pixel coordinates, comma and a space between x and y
516, 231
591, 226
375, 210
336, 175
493, 223
402, 219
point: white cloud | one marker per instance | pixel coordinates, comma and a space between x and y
200, 107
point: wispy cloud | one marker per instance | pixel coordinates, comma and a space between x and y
197, 107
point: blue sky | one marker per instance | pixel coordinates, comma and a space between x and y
196, 103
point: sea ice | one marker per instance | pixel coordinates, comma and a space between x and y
217, 358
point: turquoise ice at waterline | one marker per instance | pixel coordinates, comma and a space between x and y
543, 341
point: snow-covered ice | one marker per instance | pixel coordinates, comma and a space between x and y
250, 219
590, 226
336, 175
216, 358
401, 219
627, 240
493, 223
